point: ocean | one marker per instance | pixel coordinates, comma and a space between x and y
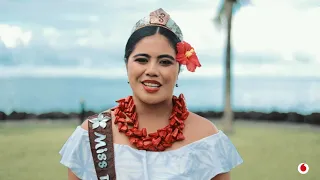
45, 94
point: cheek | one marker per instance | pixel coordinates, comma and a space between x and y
134, 71
171, 76
131, 68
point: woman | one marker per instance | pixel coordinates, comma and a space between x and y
151, 135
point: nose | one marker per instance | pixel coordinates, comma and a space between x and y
152, 69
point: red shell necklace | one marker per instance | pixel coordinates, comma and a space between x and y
155, 141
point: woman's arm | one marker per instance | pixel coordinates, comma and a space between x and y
72, 176
223, 176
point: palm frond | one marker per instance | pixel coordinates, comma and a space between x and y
218, 19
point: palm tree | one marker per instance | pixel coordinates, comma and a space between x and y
226, 10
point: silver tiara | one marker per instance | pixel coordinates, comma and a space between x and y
159, 18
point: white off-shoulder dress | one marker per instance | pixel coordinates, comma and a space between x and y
200, 160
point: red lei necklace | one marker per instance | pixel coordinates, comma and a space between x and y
156, 141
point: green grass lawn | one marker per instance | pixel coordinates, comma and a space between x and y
29, 151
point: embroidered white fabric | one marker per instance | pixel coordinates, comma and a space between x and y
201, 160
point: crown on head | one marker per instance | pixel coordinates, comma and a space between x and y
159, 18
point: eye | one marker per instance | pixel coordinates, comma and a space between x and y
166, 62
141, 60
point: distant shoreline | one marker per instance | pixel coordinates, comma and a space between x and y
44, 94
291, 117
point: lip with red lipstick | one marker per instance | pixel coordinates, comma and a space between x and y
151, 86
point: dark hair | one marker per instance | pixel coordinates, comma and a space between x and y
149, 31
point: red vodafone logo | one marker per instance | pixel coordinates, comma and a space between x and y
303, 168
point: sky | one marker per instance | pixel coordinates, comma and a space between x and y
87, 37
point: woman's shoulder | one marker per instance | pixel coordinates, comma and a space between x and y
211, 149
198, 127
84, 124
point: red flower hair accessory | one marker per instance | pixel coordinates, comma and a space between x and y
187, 56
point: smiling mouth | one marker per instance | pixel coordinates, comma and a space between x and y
152, 85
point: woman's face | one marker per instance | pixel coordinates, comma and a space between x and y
152, 69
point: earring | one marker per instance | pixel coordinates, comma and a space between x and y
128, 82
176, 85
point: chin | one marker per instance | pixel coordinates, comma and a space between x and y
152, 98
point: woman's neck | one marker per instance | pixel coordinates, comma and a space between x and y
153, 112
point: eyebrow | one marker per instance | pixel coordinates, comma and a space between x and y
159, 57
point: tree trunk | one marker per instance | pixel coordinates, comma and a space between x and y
228, 113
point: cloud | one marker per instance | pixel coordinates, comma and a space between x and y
87, 34
52, 35
13, 36
71, 57
284, 69
297, 4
